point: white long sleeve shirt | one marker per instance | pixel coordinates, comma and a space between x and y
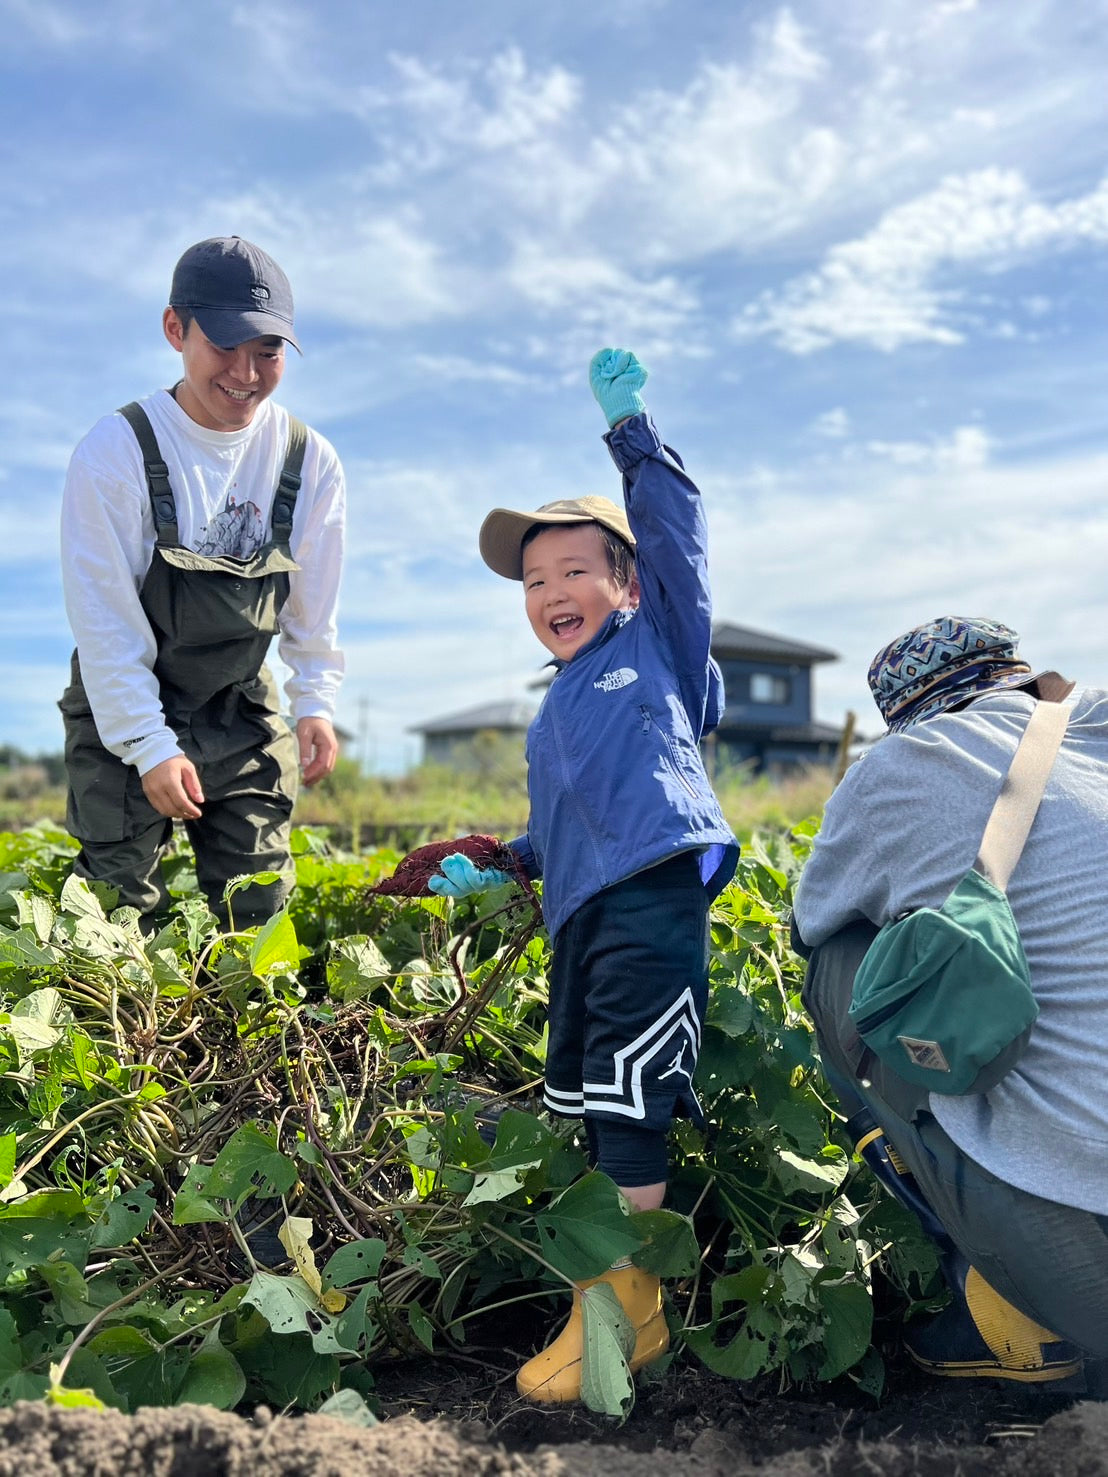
223, 484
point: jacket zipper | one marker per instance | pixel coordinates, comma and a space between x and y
647, 723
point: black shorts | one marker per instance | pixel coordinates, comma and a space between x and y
628, 990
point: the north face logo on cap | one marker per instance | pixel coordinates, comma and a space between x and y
926, 1054
259, 293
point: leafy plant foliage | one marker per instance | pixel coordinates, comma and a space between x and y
245, 1166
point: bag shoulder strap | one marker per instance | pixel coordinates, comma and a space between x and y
162, 504
1018, 802
288, 484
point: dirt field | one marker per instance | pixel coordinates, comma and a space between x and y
463, 1420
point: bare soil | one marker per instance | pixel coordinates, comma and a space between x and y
461, 1418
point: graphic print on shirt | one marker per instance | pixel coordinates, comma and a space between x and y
237, 531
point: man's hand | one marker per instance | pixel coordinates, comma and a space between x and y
173, 789
319, 748
616, 377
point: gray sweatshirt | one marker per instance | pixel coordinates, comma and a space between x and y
901, 831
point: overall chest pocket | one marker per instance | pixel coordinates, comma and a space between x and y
203, 602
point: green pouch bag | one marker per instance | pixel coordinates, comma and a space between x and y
943, 996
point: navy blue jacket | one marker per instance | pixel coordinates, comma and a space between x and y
615, 778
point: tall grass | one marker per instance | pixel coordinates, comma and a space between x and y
434, 802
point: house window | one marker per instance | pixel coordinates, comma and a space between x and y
766, 688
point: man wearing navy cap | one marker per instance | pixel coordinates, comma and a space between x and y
197, 524
1011, 1181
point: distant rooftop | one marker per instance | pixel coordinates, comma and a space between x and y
743, 641
502, 716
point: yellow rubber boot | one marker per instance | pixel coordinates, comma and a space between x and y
982, 1335
554, 1374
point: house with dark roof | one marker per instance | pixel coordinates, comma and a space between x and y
453, 739
767, 682
767, 723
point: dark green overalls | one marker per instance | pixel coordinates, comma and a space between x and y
213, 619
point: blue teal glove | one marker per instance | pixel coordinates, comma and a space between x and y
616, 377
460, 877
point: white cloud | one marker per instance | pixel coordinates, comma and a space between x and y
887, 289
832, 423
56, 25
878, 550
967, 447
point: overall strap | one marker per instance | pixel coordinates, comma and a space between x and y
1021, 792
288, 484
162, 504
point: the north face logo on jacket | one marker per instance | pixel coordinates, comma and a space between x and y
613, 681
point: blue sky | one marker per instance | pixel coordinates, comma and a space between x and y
862, 250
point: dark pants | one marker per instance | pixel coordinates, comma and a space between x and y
246, 759
1049, 1260
628, 989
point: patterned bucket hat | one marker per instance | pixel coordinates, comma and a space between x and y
944, 663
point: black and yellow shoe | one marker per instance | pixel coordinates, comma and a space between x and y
983, 1336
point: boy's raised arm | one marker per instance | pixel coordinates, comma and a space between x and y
666, 515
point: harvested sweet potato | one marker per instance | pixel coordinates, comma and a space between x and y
414, 871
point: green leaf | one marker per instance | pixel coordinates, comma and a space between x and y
731, 1011
37, 912
869, 1374
83, 1054
421, 1326
288, 1370
750, 1352
214, 1376
607, 1343
8, 1145
191, 1207
25, 1244
123, 1218
284, 1302
797, 1173
36, 1023
356, 1262
497, 1185
71, 1292
849, 1324
349, 1406
11, 1355
521, 1140
354, 1327
248, 1164
122, 1342
151, 1380
275, 950
587, 1228
67, 1399
355, 967
24, 951
669, 1247
79, 898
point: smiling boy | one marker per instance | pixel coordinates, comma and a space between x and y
624, 828
197, 524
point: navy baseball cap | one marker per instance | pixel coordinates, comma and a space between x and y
234, 290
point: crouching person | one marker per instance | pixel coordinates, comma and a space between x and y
624, 827
1007, 1164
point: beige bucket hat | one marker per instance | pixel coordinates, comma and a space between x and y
503, 531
